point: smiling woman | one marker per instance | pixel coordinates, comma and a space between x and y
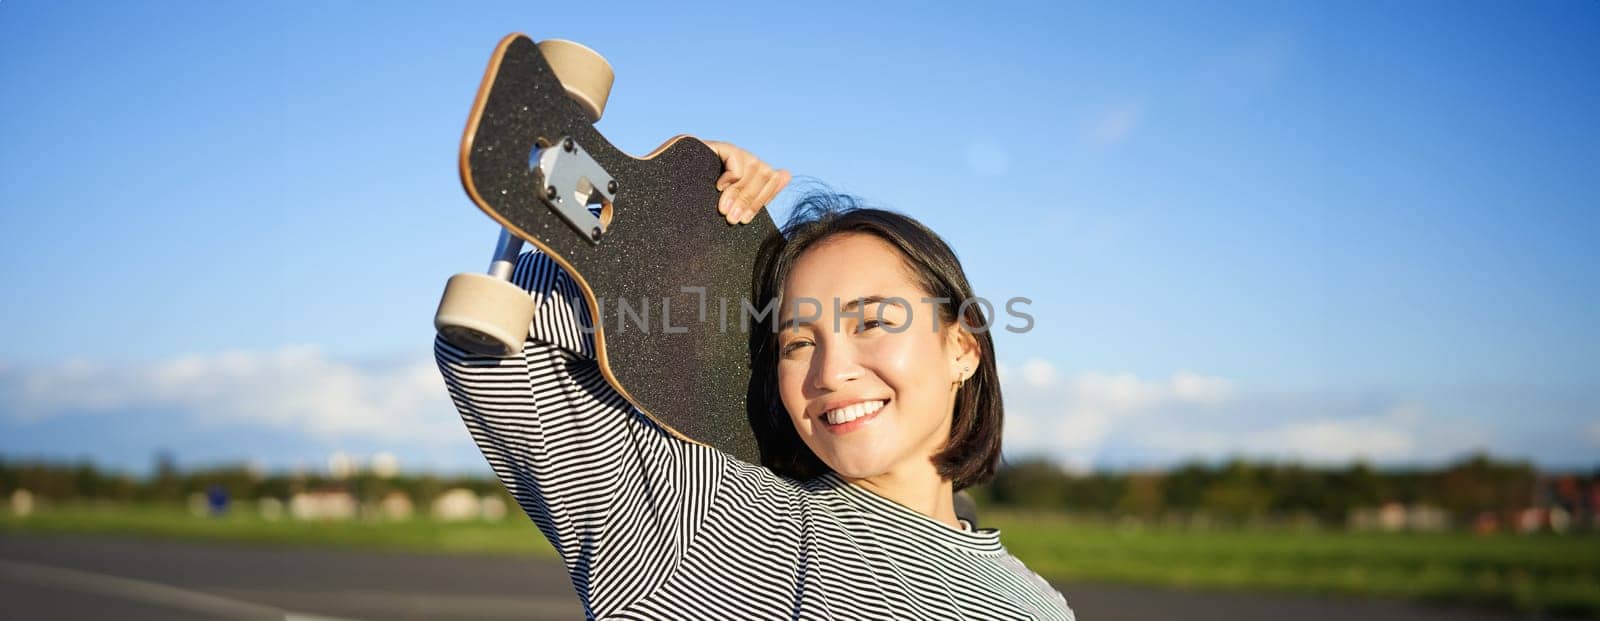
882, 383
868, 429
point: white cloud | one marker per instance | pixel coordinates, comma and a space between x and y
1038, 373
1320, 440
1080, 429
1123, 418
1332, 440
294, 388
1071, 416
1193, 387
1125, 392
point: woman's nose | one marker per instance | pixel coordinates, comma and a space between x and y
836, 365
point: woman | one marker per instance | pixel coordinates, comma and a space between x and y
874, 424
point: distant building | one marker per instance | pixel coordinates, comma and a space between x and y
492, 508
21, 503
271, 509
456, 505
395, 506
324, 505
1394, 517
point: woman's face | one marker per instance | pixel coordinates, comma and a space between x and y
907, 361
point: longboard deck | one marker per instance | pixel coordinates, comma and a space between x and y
664, 235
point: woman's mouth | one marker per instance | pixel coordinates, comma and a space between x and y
852, 417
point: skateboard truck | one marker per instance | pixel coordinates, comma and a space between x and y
572, 181
485, 313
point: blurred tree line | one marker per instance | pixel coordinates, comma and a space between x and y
84, 481
1235, 491
1244, 491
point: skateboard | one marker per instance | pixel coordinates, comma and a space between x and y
666, 278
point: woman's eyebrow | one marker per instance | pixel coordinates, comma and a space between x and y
794, 322
848, 307
858, 302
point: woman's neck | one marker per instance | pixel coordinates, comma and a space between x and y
923, 492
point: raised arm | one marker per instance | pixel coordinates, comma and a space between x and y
619, 497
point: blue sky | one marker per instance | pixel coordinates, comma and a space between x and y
1281, 230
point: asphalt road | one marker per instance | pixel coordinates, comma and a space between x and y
95, 578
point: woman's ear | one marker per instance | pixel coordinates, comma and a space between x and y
964, 352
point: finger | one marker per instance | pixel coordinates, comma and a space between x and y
732, 201
776, 183
722, 149
780, 179
728, 178
745, 201
732, 162
731, 184
760, 198
724, 196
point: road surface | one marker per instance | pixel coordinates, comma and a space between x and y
77, 577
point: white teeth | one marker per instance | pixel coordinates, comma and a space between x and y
852, 412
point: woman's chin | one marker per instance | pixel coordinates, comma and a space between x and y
857, 466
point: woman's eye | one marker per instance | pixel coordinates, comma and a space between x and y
870, 323
793, 346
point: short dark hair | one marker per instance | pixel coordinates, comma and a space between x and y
972, 452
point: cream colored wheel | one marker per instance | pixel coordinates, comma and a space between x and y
484, 315
584, 72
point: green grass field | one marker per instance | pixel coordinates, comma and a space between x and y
515, 535
1530, 573
1546, 573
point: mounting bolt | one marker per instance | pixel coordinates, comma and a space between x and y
566, 145
550, 192
611, 186
594, 234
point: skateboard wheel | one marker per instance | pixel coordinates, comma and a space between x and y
584, 72
484, 315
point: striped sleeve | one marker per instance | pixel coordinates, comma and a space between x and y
618, 497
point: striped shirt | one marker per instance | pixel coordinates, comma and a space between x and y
653, 527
